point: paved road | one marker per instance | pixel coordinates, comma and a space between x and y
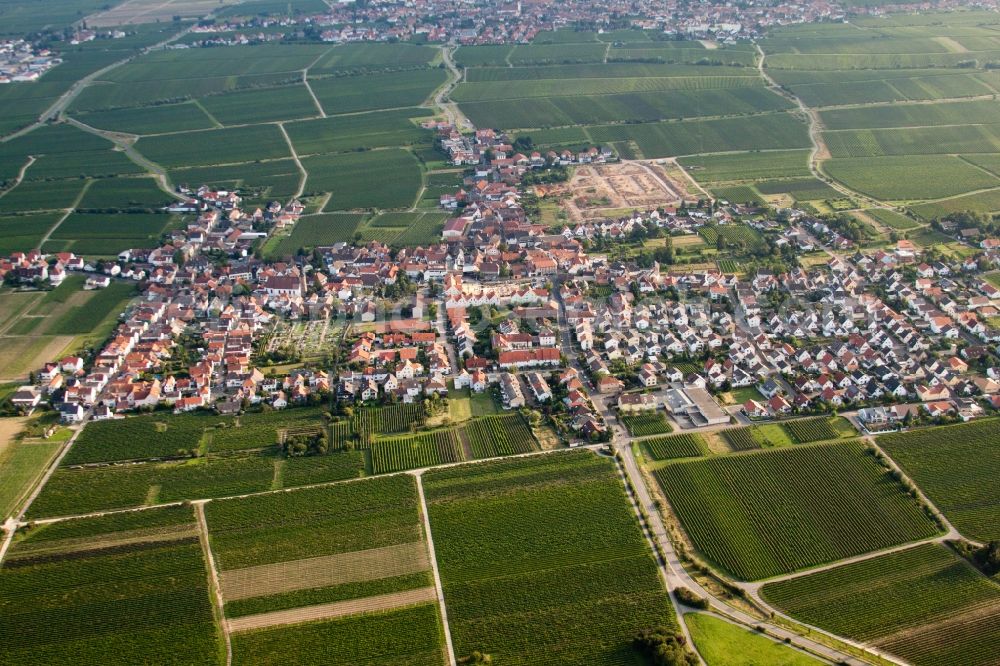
675, 573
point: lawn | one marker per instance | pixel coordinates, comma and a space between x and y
722, 643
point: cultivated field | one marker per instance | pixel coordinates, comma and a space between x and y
121, 589
642, 424
312, 572
924, 604
542, 561
955, 466
240, 455
735, 508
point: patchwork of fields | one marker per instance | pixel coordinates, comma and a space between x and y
542, 561
646, 98
233, 118
905, 107
924, 604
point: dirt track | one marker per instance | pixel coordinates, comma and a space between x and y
268, 579
336, 609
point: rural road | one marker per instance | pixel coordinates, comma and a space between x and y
442, 97
819, 150
58, 108
676, 574
418, 476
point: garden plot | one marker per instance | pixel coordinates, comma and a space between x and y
305, 339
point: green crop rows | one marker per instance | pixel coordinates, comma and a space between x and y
956, 467
388, 420
811, 430
113, 600
542, 561
740, 439
921, 604
501, 435
736, 508
642, 424
424, 450
687, 445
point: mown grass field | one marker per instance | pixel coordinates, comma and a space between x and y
542, 561
735, 508
721, 643
954, 466
924, 604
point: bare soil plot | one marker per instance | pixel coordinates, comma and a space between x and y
381, 602
20, 354
603, 190
357, 566
132, 12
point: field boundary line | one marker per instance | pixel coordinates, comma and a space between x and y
661, 565
333, 610
295, 156
322, 484
754, 586
305, 79
58, 108
20, 176
12, 524
215, 121
434, 568
67, 212
213, 578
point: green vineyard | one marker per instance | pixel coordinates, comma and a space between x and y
777, 511
924, 604
642, 424
424, 450
686, 445
740, 439
956, 466
811, 430
502, 435
389, 420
